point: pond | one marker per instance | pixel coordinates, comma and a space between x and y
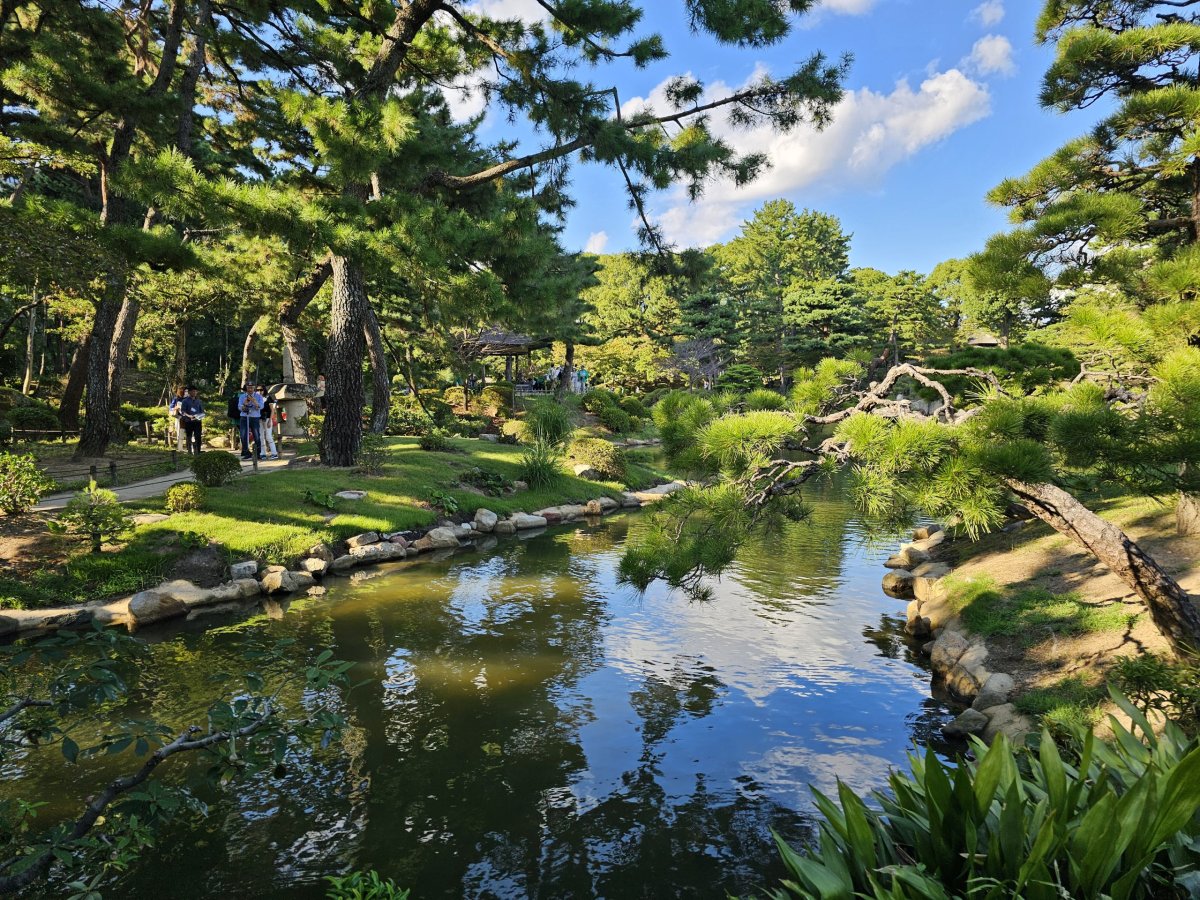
529, 727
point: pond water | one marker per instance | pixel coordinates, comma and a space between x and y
528, 727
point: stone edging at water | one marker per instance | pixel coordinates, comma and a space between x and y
173, 599
958, 658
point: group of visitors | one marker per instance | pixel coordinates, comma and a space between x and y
187, 410
253, 411
577, 381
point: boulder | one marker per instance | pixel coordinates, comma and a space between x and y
937, 612
247, 569
898, 583
1004, 719
654, 494
362, 540
376, 553
269, 569
398, 538
929, 590
321, 551
505, 526
917, 625
909, 558
313, 566
350, 495
441, 538
630, 501
607, 504
948, 649
996, 691
491, 438
962, 683
37, 621
931, 570
523, 521
551, 514
519, 485
286, 582
969, 722
583, 470
485, 520
342, 563
148, 518
919, 534
929, 544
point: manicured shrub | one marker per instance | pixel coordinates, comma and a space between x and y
635, 408
314, 424
740, 378
1117, 819
35, 417
615, 419
436, 442
597, 399
21, 483
604, 456
185, 497
467, 426
496, 399
540, 464
94, 512
549, 422
456, 396
214, 468
1022, 368
762, 398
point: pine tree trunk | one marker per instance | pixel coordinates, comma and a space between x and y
68, 408
1187, 514
248, 349
568, 370
381, 384
289, 316
30, 349
119, 356
1169, 604
342, 433
179, 378
97, 423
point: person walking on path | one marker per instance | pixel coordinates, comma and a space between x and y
581, 378
250, 408
173, 412
267, 421
191, 413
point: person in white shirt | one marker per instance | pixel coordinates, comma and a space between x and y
251, 409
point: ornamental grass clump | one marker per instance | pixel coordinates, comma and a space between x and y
549, 422
1113, 819
541, 464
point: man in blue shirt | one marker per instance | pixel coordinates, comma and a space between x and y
251, 409
191, 412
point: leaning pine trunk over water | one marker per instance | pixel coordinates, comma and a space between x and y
1169, 604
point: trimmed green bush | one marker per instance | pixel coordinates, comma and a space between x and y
740, 378
604, 456
436, 442
214, 468
21, 483
94, 512
35, 417
615, 419
597, 399
635, 408
456, 396
185, 497
496, 399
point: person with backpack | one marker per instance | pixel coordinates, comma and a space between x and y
191, 414
267, 422
249, 420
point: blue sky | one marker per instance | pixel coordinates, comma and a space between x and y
941, 105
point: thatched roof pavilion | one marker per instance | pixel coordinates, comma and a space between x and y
497, 342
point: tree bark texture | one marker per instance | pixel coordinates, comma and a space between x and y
1169, 604
179, 376
1187, 514
97, 423
248, 349
68, 408
118, 358
381, 383
289, 316
342, 433
30, 349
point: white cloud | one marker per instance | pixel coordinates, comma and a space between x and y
596, 242
991, 55
870, 133
848, 7
989, 13
465, 98
528, 10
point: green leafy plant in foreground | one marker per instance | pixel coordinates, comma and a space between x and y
1119, 821
364, 886
320, 498
447, 503
94, 512
21, 483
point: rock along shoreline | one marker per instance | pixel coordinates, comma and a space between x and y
183, 599
957, 657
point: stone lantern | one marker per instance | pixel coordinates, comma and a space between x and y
291, 400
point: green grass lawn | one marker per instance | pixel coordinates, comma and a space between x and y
269, 518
